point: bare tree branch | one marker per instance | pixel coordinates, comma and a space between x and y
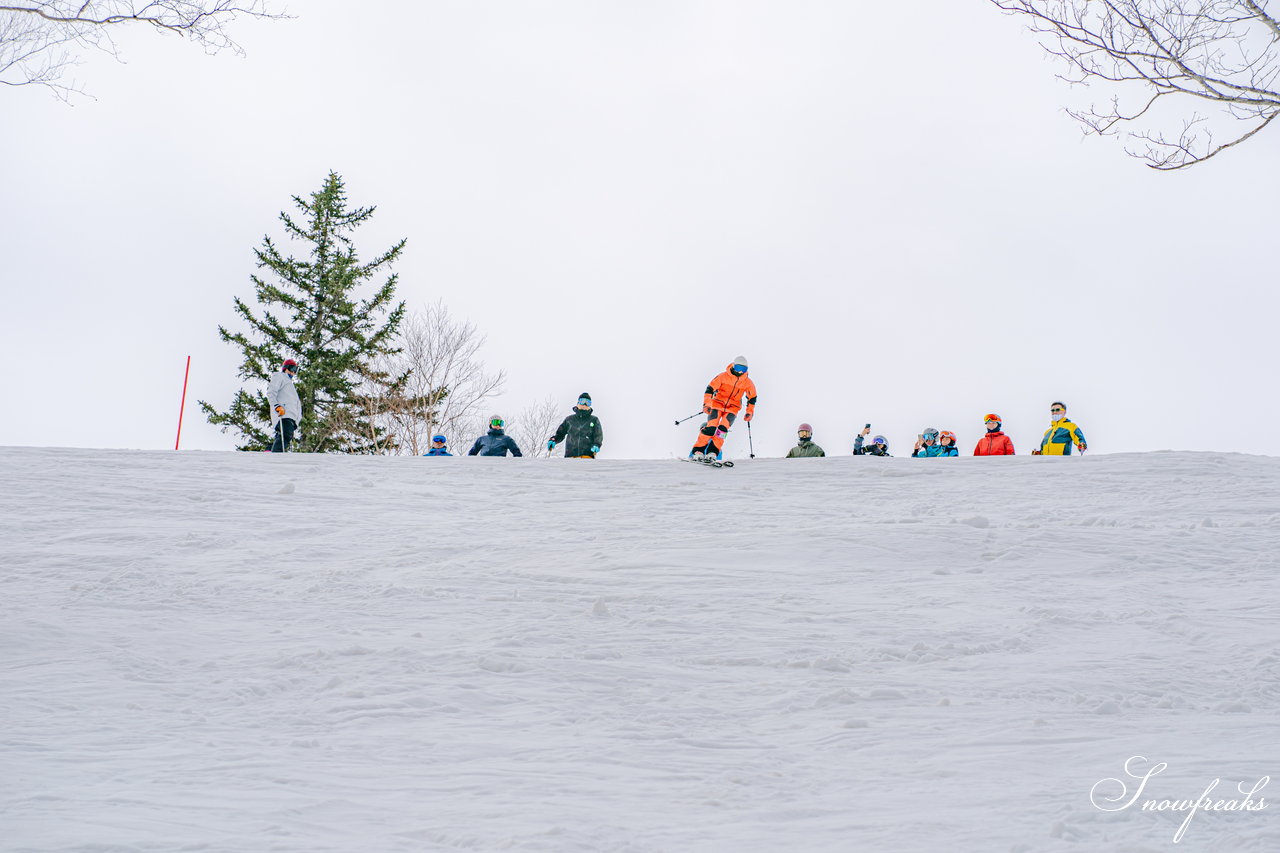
535, 424
39, 41
446, 383
1160, 53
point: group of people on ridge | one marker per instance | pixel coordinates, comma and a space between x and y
580, 431
726, 396
732, 391
1058, 440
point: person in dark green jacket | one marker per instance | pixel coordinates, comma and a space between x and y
580, 432
804, 444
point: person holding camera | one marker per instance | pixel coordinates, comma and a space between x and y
879, 445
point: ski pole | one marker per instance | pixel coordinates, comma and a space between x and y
691, 417
750, 444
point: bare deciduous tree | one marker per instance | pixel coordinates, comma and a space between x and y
39, 41
446, 383
1166, 57
534, 425
377, 404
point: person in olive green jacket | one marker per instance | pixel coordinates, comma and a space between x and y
805, 446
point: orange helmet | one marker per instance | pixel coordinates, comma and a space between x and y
946, 433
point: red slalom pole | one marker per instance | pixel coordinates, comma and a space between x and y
183, 407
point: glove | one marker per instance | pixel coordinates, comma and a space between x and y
1082, 447
1035, 453
280, 411
595, 448
706, 410
551, 444
749, 416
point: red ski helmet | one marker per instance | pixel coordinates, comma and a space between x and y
804, 428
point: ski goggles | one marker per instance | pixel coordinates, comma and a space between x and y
1057, 411
497, 423
948, 435
738, 370
930, 435
879, 439
584, 401
986, 419
437, 439
804, 433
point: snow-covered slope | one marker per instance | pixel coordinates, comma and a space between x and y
244, 652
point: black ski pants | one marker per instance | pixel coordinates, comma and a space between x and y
284, 434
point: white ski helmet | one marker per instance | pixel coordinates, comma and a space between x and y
740, 361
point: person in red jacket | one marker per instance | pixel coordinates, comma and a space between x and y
995, 442
721, 403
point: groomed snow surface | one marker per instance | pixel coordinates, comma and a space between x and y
247, 652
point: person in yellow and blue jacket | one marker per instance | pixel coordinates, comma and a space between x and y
1061, 434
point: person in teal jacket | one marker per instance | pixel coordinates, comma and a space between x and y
1061, 434
947, 444
927, 444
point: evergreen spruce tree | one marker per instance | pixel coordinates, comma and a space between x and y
313, 311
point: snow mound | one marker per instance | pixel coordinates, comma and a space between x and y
236, 652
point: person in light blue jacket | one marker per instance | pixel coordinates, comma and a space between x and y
927, 443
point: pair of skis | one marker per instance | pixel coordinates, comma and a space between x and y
710, 461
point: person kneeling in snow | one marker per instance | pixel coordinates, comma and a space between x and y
580, 431
804, 444
495, 442
879, 445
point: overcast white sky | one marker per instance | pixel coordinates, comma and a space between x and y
882, 206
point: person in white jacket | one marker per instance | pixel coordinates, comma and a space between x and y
286, 408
